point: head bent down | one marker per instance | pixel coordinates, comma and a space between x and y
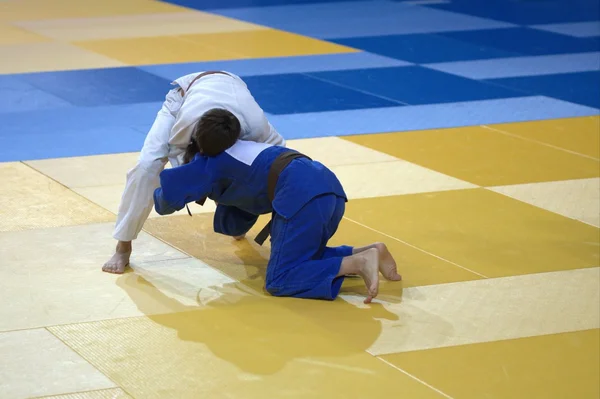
216, 131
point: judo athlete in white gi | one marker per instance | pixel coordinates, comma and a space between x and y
168, 139
306, 200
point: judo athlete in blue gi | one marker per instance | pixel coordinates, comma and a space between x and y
307, 202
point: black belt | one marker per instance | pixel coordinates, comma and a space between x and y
278, 165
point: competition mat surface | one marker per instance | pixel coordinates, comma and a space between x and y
465, 132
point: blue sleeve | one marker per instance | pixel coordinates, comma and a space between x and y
182, 184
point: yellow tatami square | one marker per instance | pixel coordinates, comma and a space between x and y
50, 56
210, 47
576, 199
268, 43
550, 366
236, 346
131, 26
483, 231
77, 172
346, 152
580, 135
482, 156
53, 276
367, 173
155, 50
393, 178
15, 35
29, 10
437, 316
33, 201
36, 363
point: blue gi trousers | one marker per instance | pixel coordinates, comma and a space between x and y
301, 264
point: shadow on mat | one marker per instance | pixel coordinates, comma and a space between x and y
259, 333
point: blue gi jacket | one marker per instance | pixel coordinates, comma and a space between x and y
238, 178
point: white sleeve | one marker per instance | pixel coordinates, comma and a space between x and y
274, 137
260, 130
137, 199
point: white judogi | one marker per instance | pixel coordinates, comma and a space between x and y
171, 133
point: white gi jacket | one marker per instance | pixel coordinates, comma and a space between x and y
171, 133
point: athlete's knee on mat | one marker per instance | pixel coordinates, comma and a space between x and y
231, 221
315, 290
276, 280
281, 290
274, 290
274, 285
286, 284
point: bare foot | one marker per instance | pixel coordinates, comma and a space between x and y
117, 263
369, 271
120, 260
387, 264
238, 238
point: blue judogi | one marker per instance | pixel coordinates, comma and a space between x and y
307, 208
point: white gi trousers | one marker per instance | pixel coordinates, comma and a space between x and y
171, 133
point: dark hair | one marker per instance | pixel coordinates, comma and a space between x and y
216, 131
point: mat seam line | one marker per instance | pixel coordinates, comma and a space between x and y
414, 378
490, 189
488, 127
90, 363
77, 392
69, 189
400, 103
415, 247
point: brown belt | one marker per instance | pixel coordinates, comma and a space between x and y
278, 165
203, 74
